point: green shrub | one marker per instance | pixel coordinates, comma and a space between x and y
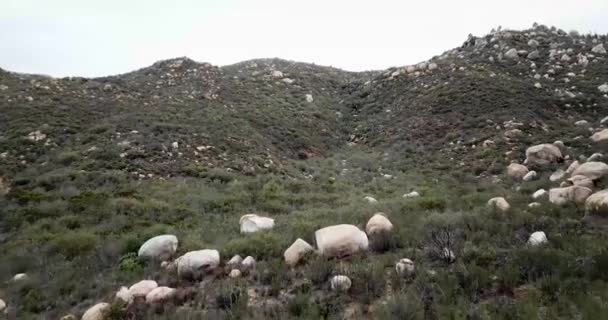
73, 244
368, 280
130, 263
431, 203
260, 245
319, 270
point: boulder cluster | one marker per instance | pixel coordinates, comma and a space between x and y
336, 241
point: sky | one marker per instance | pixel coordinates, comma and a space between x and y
97, 38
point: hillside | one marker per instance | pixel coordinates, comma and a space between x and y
92, 168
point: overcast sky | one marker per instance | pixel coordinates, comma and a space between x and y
96, 38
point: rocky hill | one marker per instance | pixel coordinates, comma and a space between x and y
92, 168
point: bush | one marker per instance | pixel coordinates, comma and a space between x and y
431, 203
384, 241
319, 270
73, 244
260, 245
130, 263
368, 281
402, 307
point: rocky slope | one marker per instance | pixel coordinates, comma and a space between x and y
92, 168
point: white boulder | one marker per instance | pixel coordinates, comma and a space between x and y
599, 49
341, 240
378, 223
581, 181
600, 136
539, 194
123, 295
592, 170
499, 203
558, 175
159, 248
543, 154
235, 261
516, 170
370, 199
309, 98
235, 273
251, 223
572, 167
248, 263
597, 203
413, 194
99, 311
576, 194
537, 238
19, 277
160, 295
533, 205
340, 283
512, 53
142, 288
296, 252
531, 175
2, 306
195, 264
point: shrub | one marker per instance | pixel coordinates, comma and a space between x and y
384, 241
319, 270
130, 263
402, 307
368, 281
431, 203
73, 244
260, 245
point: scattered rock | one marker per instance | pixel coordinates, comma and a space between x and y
558, 175
597, 204
576, 194
512, 54
530, 176
160, 295
413, 194
600, 136
340, 283
405, 268
592, 170
537, 238
517, 171
20, 277
195, 264
309, 98
142, 288
572, 167
294, 254
539, 194
277, 74
253, 223
599, 49
99, 311
533, 55
159, 248
595, 157
581, 181
533, 205
235, 261
378, 223
2, 306
533, 43
603, 88
513, 134
370, 200
499, 203
235, 273
248, 263
36, 136
582, 123
123, 295
341, 240
543, 154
